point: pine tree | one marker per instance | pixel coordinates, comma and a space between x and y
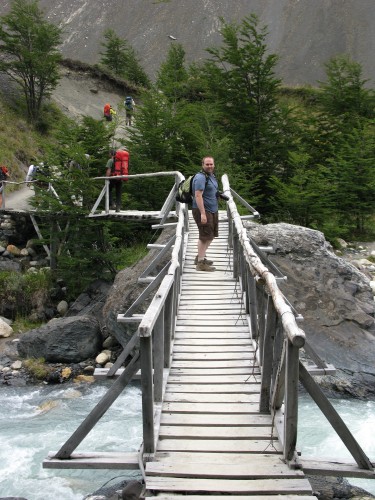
29, 54
121, 58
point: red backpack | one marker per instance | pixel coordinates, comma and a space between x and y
107, 110
120, 163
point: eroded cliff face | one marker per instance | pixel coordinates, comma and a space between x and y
304, 33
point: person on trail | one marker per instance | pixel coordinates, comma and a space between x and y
129, 110
205, 211
117, 165
107, 112
4, 174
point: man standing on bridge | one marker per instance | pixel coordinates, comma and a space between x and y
205, 211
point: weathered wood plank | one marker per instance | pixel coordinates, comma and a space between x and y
184, 340
261, 486
93, 460
174, 496
213, 332
212, 308
222, 388
212, 379
215, 420
217, 458
209, 365
330, 468
206, 349
221, 445
207, 432
210, 398
184, 407
214, 356
250, 371
250, 470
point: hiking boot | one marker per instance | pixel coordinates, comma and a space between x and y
203, 266
118, 209
209, 262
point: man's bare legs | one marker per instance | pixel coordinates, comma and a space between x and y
202, 248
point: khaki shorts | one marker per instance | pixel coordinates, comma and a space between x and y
209, 231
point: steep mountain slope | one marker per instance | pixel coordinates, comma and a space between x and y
305, 33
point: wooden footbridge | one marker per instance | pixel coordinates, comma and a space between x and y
219, 361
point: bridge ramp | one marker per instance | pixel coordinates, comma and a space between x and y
212, 439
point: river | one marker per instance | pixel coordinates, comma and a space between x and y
36, 420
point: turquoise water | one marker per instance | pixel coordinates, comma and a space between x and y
317, 439
36, 420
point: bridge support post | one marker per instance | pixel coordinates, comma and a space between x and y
159, 356
269, 338
168, 328
291, 400
147, 394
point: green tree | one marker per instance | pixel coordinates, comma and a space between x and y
344, 91
29, 54
114, 54
121, 58
354, 174
241, 82
172, 75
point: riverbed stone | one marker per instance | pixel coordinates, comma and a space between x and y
5, 329
62, 340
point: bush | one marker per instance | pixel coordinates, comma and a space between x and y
20, 293
37, 368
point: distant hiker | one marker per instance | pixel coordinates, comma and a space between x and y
107, 112
117, 165
4, 174
129, 110
38, 172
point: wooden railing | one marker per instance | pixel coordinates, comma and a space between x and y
278, 340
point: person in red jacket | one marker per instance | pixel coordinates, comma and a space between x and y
4, 174
117, 165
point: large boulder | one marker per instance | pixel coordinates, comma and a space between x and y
63, 340
333, 296
126, 289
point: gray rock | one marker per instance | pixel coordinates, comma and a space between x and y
334, 298
10, 265
126, 290
63, 340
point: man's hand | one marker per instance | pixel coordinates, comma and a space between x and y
203, 218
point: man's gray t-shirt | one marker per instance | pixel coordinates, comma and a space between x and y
209, 191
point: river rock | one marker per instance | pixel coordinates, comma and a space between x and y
333, 296
102, 358
63, 340
5, 329
62, 307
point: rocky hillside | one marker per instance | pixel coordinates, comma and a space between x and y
304, 33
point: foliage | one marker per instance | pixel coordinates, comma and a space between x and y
29, 55
37, 368
121, 58
241, 81
172, 75
344, 91
24, 292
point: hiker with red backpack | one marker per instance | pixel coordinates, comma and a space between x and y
117, 165
4, 174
